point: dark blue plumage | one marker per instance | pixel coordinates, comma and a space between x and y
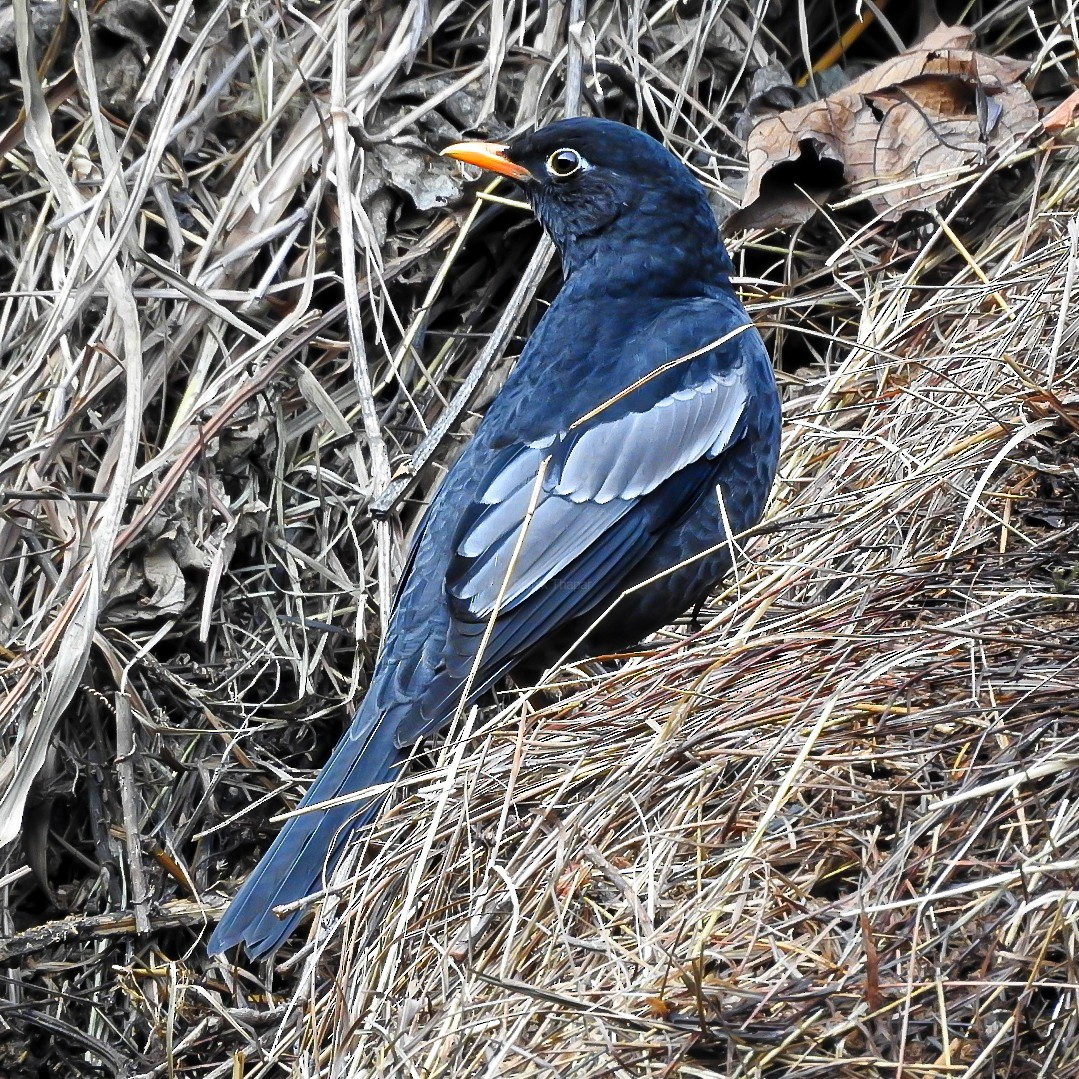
643, 401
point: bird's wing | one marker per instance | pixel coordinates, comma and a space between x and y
586, 484
410, 555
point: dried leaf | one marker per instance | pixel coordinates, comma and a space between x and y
426, 179
771, 91
1063, 116
899, 133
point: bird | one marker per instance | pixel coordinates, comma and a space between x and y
635, 438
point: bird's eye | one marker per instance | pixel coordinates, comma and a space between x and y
564, 163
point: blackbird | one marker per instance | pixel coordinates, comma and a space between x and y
638, 430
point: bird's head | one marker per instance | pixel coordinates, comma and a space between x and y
606, 191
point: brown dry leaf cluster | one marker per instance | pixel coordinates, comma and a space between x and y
900, 135
830, 831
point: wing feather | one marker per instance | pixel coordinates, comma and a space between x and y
654, 445
596, 476
549, 545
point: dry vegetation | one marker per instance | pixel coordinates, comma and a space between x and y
833, 831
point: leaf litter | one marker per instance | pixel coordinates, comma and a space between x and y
897, 136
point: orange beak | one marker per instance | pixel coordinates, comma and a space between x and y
488, 155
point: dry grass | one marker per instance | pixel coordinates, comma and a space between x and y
832, 832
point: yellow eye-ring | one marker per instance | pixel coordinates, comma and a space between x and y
564, 163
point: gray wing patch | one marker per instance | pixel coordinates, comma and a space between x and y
606, 469
558, 532
630, 456
508, 496
520, 471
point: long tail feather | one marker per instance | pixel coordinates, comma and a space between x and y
309, 845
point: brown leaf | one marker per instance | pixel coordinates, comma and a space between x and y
899, 133
1063, 116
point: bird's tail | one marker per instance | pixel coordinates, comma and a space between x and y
308, 846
